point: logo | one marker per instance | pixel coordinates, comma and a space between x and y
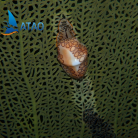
12, 22
12, 25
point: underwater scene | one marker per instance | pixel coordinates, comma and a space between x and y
68, 69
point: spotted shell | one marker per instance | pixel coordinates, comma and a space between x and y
71, 53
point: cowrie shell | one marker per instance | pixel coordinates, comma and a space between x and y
71, 53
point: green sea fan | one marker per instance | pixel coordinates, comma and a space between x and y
38, 99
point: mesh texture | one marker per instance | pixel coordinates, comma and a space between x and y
38, 99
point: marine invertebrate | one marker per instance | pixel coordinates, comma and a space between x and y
36, 102
99, 128
71, 53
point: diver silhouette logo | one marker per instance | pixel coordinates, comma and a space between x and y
12, 22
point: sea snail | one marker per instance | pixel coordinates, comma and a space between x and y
71, 53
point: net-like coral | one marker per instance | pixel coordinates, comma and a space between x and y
38, 99
99, 128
